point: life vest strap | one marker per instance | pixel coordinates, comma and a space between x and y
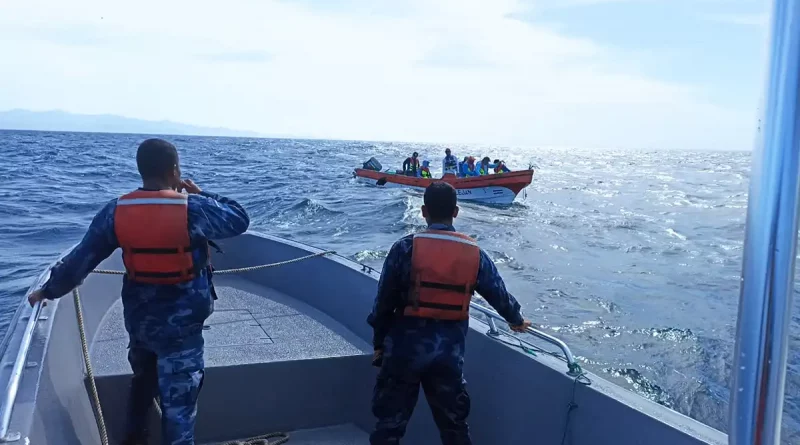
182, 273
442, 286
159, 250
442, 306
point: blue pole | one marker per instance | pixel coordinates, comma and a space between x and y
759, 371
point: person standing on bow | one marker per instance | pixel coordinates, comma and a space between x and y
449, 164
420, 320
167, 292
411, 165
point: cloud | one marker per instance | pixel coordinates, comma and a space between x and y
237, 56
444, 70
752, 19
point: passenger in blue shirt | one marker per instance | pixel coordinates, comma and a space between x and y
164, 312
468, 167
417, 341
485, 167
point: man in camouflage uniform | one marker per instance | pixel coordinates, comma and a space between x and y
164, 322
413, 350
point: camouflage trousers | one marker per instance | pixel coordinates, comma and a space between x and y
176, 377
397, 390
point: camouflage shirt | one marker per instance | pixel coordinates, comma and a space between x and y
155, 314
395, 282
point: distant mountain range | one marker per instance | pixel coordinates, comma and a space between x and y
58, 120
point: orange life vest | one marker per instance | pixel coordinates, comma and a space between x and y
152, 230
444, 272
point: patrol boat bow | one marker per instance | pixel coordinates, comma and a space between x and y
289, 353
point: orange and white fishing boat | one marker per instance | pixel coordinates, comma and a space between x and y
496, 189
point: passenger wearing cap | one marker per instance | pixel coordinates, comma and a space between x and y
449, 164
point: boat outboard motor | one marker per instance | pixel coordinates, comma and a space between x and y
373, 164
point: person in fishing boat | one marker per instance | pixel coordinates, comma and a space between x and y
462, 166
485, 167
425, 170
411, 165
167, 292
500, 166
420, 320
468, 167
450, 164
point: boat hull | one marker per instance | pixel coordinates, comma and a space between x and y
260, 355
491, 189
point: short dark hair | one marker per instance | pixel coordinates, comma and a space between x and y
156, 158
440, 200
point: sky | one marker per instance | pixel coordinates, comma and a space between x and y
650, 74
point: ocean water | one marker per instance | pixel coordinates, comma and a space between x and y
631, 257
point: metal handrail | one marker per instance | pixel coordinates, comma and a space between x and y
573, 367
12, 388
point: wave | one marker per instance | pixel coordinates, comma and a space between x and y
313, 207
643, 385
667, 334
503, 258
364, 256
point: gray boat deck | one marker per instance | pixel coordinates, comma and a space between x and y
273, 363
347, 434
250, 324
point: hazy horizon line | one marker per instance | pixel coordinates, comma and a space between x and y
260, 135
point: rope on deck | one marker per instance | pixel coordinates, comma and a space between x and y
101, 424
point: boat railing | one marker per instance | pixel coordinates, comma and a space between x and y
573, 367
10, 396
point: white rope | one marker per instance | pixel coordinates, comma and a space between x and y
239, 269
